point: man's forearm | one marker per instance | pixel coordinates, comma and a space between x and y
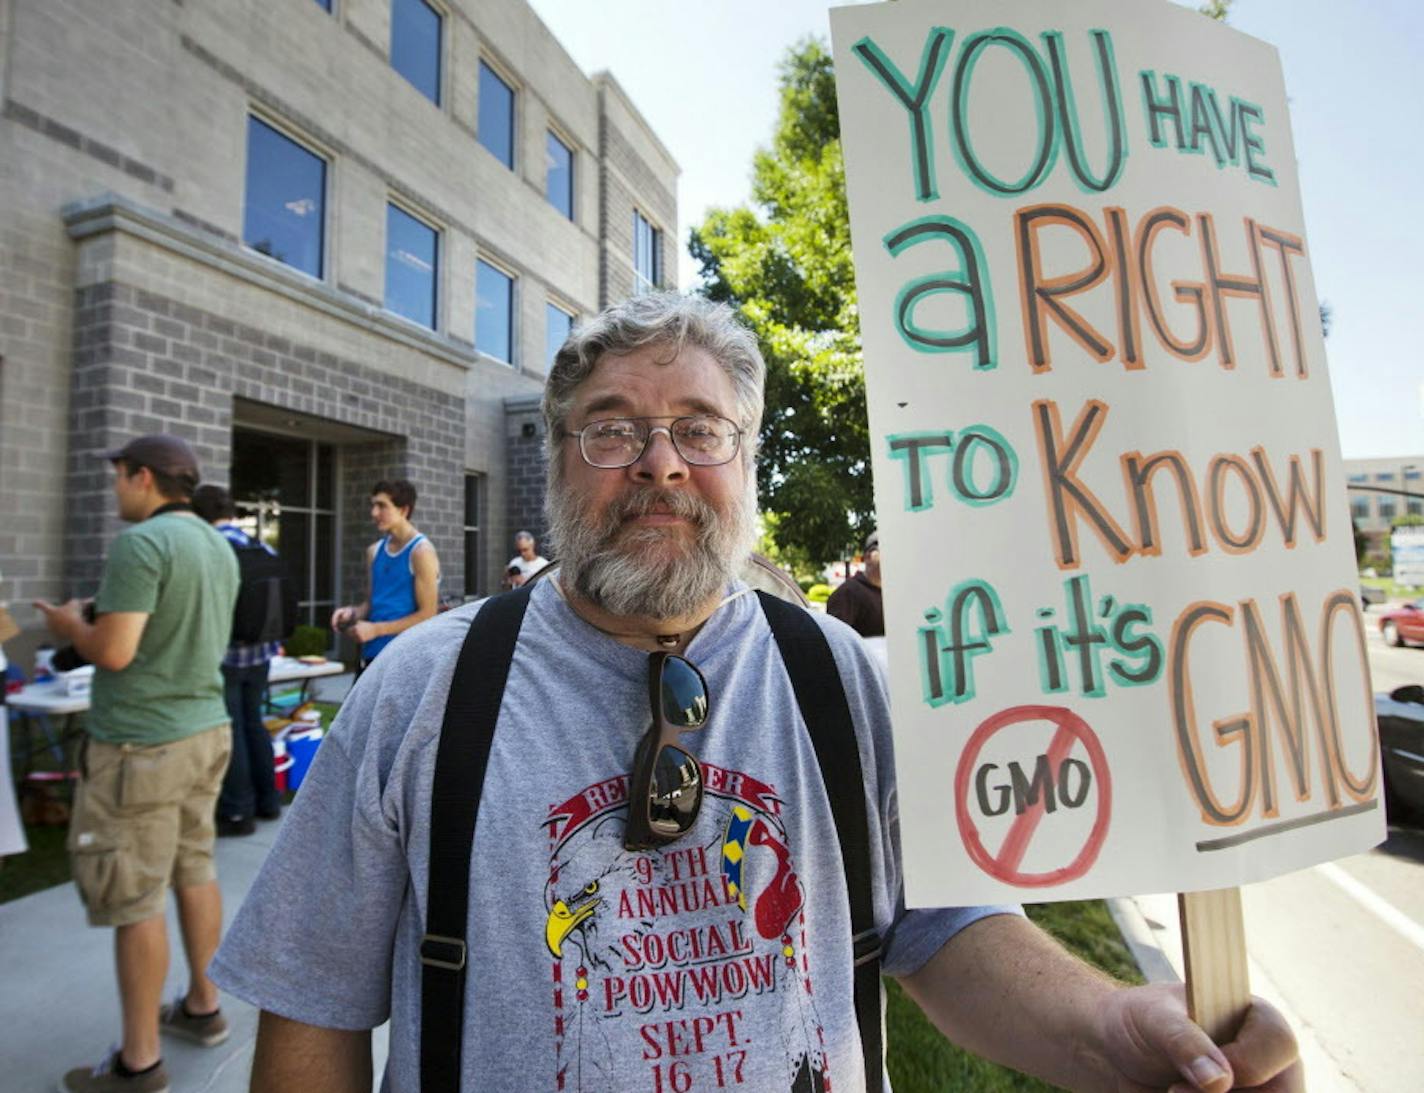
392, 627
1004, 989
292, 1057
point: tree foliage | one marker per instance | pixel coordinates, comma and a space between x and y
784, 260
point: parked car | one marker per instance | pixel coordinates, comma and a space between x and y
1401, 625
1401, 726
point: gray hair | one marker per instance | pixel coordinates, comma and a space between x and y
659, 318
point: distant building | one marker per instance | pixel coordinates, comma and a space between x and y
328, 241
1372, 507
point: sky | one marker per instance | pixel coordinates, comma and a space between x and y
704, 72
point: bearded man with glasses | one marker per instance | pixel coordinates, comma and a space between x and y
659, 892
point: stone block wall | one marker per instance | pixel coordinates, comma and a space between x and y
147, 363
525, 472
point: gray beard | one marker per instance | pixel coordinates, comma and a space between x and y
640, 572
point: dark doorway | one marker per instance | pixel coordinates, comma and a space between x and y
284, 488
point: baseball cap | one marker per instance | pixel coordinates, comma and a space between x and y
872, 541
170, 455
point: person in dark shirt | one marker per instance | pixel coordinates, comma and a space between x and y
857, 601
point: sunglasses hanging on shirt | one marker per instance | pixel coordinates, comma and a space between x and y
665, 790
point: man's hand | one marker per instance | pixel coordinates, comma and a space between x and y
364, 631
110, 642
342, 617
1004, 989
1151, 1044
61, 618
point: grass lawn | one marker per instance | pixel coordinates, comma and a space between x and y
920, 1060
1392, 590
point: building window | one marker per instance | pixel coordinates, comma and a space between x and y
1384, 476
412, 266
1359, 478
1360, 508
559, 175
647, 254
415, 45
557, 325
494, 312
474, 498
1386, 508
1415, 507
496, 122
286, 199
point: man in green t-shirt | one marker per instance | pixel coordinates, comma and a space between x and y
156, 748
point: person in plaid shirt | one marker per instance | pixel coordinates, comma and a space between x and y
249, 788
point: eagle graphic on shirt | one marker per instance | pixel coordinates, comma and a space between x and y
688, 961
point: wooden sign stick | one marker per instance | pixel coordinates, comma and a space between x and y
1214, 951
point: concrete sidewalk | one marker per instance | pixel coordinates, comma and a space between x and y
59, 1005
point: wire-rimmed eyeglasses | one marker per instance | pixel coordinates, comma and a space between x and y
702, 440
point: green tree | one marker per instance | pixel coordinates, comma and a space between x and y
785, 262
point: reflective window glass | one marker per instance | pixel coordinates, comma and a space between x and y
647, 254
412, 264
474, 484
557, 325
286, 199
496, 122
494, 312
559, 175
415, 45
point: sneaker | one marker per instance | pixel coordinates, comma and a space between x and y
235, 825
209, 1031
105, 1078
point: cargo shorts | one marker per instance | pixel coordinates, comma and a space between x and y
142, 821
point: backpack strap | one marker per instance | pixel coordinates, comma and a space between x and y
822, 699
471, 710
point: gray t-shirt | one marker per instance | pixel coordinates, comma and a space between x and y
721, 961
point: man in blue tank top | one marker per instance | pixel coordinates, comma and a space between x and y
402, 574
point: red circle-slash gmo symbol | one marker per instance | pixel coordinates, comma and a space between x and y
1071, 731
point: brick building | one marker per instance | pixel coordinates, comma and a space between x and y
327, 241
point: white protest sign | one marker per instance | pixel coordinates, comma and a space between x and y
1125, 644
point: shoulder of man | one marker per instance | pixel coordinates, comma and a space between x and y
136, 545
845, 643
408, 683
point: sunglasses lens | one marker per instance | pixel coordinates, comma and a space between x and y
684, 694
676, 792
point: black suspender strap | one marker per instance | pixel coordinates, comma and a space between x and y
821, 696
471, 710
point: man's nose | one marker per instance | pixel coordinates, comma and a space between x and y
660, 461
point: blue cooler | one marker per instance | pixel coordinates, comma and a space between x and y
302, 748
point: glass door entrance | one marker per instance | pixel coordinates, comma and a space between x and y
284, 488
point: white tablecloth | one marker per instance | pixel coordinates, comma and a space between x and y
12, 832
